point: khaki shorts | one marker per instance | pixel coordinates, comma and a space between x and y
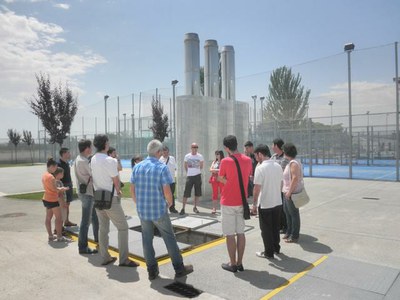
232, 220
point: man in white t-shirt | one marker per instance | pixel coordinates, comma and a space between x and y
106, 178
193, 163
268, 179
169, 160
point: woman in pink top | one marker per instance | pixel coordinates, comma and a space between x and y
292, 183
215, 184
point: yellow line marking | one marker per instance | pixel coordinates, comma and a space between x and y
294, 278
161, 261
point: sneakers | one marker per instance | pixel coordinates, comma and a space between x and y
263, 255
186, 270
52, 238
229, 267
69, 224
88, 251
240, 268
182, 212
173, 210
195, 210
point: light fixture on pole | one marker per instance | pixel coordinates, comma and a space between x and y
105, 113
262, 108
349, 48
174, 83
330, 103
254, 132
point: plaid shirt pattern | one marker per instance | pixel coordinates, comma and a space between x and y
149, 177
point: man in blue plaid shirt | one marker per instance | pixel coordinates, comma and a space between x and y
151, 192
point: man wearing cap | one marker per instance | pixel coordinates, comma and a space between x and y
193, 164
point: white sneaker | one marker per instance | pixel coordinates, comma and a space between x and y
64, 239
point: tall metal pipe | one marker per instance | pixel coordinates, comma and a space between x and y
228, 72
211, 67
192, 64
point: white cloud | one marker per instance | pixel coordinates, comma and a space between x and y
62, 6
26, 48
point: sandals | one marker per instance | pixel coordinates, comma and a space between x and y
129, 263
214, 211
110, 261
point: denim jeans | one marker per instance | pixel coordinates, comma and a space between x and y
292, 218
88, 214
164, 225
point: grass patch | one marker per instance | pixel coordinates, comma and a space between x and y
16, 165
126, 193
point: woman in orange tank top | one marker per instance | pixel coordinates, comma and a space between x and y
50, 201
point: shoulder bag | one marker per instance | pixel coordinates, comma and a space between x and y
299, 199
246, 208
103, 199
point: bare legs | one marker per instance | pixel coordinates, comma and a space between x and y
236, 246
56, 211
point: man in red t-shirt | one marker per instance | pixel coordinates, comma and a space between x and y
231, 203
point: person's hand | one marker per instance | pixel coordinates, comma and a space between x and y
66, 188
254, 210
119, 193
288, 195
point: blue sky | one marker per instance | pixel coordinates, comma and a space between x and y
124, 47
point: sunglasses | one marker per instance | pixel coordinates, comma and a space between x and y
195, 147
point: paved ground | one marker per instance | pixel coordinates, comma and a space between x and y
350, 231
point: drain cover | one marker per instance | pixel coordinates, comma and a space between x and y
183, 289
13, 215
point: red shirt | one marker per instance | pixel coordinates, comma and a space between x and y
231, 194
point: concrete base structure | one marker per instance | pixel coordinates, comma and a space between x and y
206, 121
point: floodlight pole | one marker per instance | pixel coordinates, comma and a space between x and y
254, 132
174, 83
105, 113
397, 80
348, 48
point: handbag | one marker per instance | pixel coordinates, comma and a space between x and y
301, 198
83, 187
246, 208
103, 199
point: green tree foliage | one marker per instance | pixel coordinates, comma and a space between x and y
287, 101
15, 138
160, 121
56, 108
29, 141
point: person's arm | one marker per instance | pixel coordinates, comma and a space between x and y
201, 165
168, 194
256, 194
119, 168
186, 166
117, 185
295, 177
133, 194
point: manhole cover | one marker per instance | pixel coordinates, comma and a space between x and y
183, 289
13, 215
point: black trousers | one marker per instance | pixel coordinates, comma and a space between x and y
172, 186
270, 221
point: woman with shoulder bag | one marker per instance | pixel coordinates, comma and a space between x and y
292, 183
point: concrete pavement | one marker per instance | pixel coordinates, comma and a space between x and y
352, 225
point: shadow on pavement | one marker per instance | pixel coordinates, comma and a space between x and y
261, 279
311, 244
159, 284
288, 264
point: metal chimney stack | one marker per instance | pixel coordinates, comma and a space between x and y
192, 64
228, 72
211, 66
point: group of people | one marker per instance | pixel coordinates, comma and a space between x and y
152, 188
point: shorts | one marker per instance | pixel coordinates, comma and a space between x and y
190, 182
68, 193
50, 205
232, 220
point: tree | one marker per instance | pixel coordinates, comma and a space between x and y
287, 101
160, 121
15, 138
28, 140
56, 108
